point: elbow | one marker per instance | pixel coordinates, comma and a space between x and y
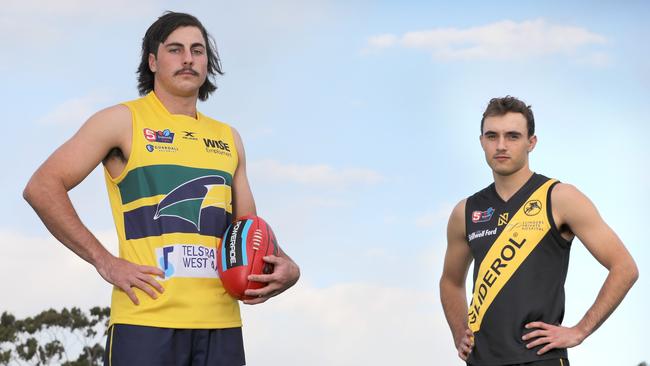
36, 190
631, 270
447, 285
28, 192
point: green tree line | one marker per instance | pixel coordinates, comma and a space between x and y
57, 337
70, 337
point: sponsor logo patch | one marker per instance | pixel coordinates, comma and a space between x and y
481, 233
527, 226
161, 148
187, 260
503, 218
482, 216
532, 207
217, 147
189, 135
164, 136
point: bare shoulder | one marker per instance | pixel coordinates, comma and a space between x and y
458, 212
116, 117
565, 191
566, 196
456, 225
107, 129
572, 207
239, 145
237, 137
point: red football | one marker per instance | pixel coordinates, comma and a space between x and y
244, 244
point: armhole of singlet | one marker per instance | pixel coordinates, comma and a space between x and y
234, 147
555, 231
130, 159
466, 219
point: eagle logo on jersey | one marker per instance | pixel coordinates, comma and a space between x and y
187, 200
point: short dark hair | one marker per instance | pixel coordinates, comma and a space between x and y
501, 106
158, 33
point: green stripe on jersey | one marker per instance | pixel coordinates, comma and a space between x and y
152, 180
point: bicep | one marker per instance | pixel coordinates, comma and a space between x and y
583, 219
458, 256
78, 156
243, 201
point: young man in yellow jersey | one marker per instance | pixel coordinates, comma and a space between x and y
518, 231
176, 179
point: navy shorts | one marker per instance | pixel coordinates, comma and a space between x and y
551, 362
128, 345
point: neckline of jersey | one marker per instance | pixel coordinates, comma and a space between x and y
494, 190
157, 101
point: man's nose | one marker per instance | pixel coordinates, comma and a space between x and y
501, 143
188, 58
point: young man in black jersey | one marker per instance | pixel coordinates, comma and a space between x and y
519, 231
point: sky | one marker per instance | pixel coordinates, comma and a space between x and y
361, 122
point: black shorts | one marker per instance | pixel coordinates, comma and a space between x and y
128, 345
552, 362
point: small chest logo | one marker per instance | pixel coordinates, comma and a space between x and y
189, 135
482, 216
532, 207
503, 218
165, 136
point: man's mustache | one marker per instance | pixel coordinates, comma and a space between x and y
186, 70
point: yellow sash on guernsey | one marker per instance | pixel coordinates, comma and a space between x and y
511, 248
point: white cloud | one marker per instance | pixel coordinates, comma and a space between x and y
75, 111
38, 273
348, 324
504, 40
318, 174
382, 41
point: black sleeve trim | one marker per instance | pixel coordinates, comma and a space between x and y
555, 231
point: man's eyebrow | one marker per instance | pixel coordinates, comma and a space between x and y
178, 44
511, 133
173, 44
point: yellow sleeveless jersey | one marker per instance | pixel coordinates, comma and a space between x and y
171, 206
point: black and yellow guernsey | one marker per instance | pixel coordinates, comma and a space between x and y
520, 265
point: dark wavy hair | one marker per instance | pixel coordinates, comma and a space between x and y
501, 106
158, 33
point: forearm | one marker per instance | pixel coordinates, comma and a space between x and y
454, 305
618, 282
52, 204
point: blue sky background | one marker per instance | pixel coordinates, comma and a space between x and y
361, 123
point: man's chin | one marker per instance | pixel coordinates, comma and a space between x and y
503, 171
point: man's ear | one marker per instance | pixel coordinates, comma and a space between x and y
533, 142
152, 63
